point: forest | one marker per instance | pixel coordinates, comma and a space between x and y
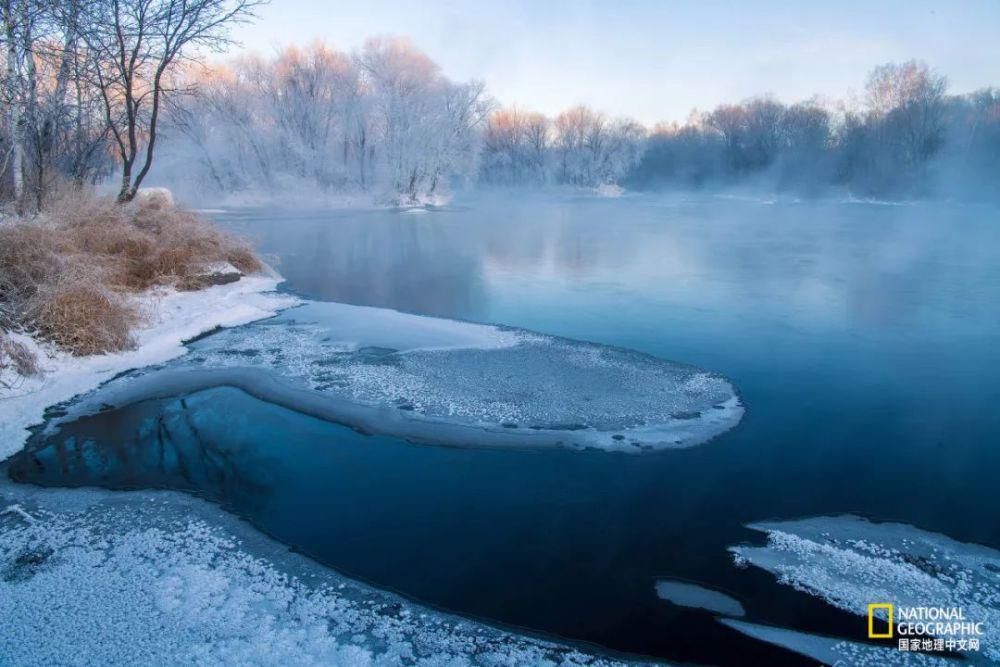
85, 104
386, 120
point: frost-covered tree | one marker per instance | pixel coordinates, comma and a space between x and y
383, 120
592, 149
516, 147
579, 147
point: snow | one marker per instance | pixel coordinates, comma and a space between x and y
609, 190
448, 382
97, 577
157, 193
171, 317
850, 562
224, 268
381, 327
684, 594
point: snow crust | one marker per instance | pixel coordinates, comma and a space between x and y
171, 317
92, 577
850, 562
449, 382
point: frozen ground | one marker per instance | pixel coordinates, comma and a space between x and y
171, 318
436, 380
92, 577
850, 562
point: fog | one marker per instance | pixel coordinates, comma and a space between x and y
384, 125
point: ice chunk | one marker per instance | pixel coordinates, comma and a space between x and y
686, 594
159, 578
444, 381
850, 562
833, 651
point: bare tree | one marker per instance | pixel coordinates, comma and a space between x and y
22, 25
133, 46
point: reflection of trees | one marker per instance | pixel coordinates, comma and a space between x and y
166, 450
385, 259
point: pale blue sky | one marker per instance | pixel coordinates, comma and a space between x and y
657, 60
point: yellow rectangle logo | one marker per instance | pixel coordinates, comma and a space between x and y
871, 620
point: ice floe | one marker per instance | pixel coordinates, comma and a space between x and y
850, 562
833, 651
92, 577
449, 382
684, 594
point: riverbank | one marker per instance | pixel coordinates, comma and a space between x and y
173, 317
90, 289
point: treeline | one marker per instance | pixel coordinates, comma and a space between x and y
91, 87
578, 147
905, 137
383, 120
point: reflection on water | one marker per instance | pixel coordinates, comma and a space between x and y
863, 340
159, 446
841, 265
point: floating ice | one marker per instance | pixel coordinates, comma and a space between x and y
91, 577
684, 594
850, 562
443, 381
833, 651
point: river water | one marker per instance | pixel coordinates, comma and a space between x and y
862, 337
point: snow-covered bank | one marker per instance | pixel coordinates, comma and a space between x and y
172, 317
122, 578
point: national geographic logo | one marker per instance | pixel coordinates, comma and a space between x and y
937, 629
871, 620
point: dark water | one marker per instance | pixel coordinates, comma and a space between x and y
864, 339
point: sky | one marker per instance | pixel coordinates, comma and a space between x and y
656, 60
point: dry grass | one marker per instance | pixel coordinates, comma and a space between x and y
16, 361
66, 275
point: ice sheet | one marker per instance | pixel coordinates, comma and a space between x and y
444, 381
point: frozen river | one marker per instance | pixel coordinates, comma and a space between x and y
861, 337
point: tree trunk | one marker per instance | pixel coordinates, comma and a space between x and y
14, 114
127, 192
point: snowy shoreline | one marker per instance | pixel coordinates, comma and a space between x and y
162, 577
172, 318
199, 584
